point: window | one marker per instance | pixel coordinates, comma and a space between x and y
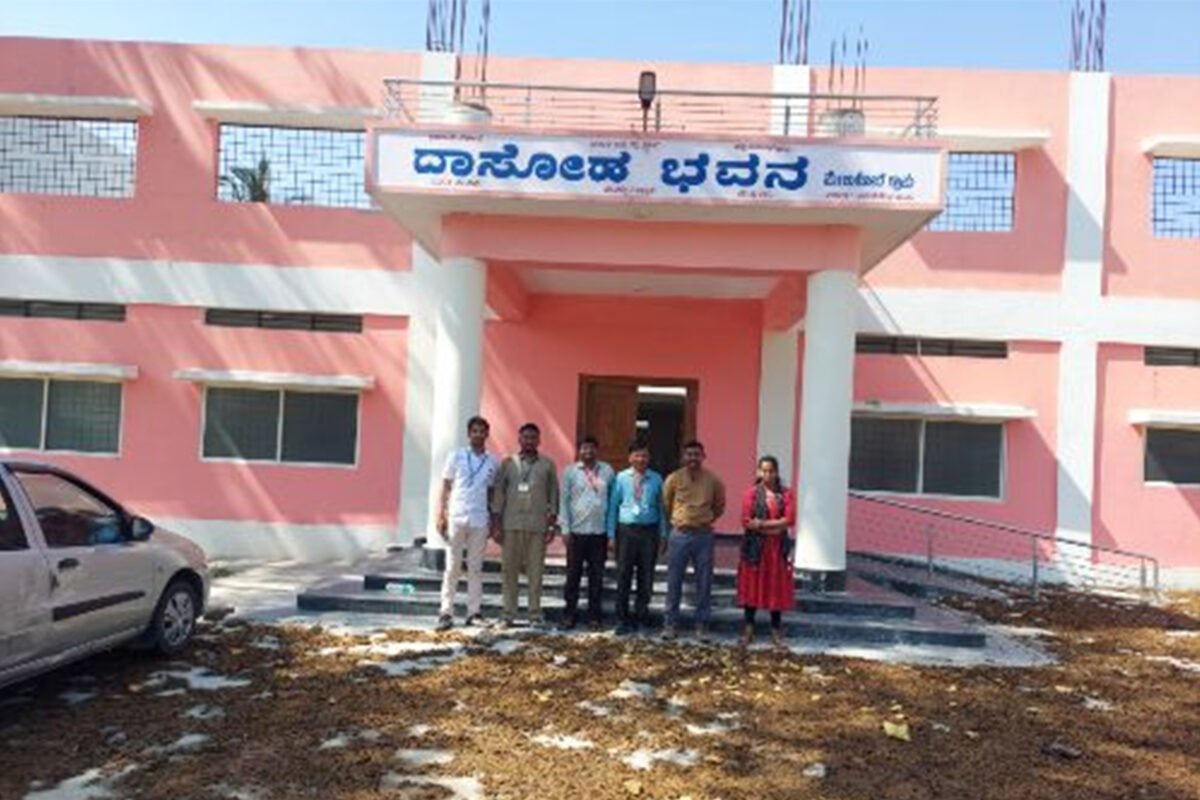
101, 312
911, 346
1172, 357
12, 534
979, 193
1175, 207
75, 416
69, 515
79, 157
275, 320
1172, 456
292, 166
288, 426
914, 456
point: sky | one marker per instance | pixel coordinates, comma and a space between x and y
1146, 36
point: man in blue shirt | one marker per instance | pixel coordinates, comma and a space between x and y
636, 520
583, 506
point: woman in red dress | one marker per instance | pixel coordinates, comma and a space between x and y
765, 577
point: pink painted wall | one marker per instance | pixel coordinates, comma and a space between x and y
532, 368
1135, 262
1031, 256
1027, 378
174, 213
159, 471
1162, 521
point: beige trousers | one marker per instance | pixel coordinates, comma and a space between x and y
523, 551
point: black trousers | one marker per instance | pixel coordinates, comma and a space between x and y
637, 550
590, 551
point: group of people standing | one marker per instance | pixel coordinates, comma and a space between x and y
521, 503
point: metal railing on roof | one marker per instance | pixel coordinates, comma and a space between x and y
605, 109
941, 540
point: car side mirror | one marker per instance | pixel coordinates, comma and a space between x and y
140, 529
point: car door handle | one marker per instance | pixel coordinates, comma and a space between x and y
69, 563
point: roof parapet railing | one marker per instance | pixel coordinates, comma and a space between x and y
942, 540
700, 112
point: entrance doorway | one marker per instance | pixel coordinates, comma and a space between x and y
662, 411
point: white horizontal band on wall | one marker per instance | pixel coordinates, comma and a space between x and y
208, 285
72, 106
982, 412
68, 370
276, 380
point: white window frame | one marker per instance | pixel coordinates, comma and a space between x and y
920, 490
278, 461
1146, 445
41, 448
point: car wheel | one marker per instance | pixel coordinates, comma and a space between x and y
174, 619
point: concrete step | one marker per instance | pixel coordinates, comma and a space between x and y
928, 627
915, 580
861, 599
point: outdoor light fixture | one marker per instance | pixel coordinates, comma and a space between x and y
647, 88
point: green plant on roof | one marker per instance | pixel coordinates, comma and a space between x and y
250, 184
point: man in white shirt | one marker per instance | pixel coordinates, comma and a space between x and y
463, 519
582, 516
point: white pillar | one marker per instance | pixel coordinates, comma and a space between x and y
826, 394
420, 368
779, 364
458, 367
1082, 292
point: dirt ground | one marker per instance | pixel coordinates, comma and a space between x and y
1119, 717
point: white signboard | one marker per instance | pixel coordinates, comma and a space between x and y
672, 170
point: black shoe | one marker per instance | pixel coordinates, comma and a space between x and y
568, 623
445, 622
476, 620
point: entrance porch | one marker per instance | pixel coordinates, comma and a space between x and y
565, 271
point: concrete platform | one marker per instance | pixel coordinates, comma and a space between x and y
865, 613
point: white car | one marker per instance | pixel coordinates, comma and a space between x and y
78, 574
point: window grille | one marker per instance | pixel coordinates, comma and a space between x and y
1172, 357
60, 415
98, 312
911, 346
293, 427
275, 320
1172, 456
1175, 210
935, 457
77, 157
292, 166
980, 190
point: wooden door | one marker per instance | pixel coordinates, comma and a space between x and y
609, 412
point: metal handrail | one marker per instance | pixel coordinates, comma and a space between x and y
702, 111
546, 87
1034, 537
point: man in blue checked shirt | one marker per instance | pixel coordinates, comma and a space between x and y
636, 520
586, 485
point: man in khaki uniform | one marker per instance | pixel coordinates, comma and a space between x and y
524, 520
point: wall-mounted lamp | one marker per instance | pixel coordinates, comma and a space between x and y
647, 89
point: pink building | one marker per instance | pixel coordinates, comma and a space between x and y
256, 292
